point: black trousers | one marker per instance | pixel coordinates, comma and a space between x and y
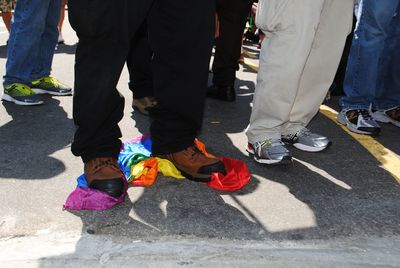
180, 36
139, 65
232, 17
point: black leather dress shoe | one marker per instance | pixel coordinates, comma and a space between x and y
224, 93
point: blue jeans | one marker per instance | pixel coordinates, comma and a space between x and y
32, 40
373, 68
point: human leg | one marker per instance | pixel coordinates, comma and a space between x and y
232, 21
368, 62
180, 77
47, 42
362, 76
388, 94
139, 67
282, 58
25, 40
318, 73
62, 15
6, 12
23, 51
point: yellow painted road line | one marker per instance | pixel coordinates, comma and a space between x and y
390, 161
250, 64
249, 54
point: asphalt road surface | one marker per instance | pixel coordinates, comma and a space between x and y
337, 208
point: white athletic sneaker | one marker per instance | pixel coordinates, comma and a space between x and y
307, 141
359, 121
270, 151
391, 115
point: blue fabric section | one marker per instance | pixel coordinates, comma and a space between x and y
130, 150
82, 181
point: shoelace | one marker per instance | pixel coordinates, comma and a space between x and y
194, 152
100, 163
269, 143
365, 114
302, 132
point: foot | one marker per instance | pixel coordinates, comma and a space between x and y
388, 116
270, 152
143, 105
50, 85
359, 121
194, 165
306, 141
104, 174
21, 94
224, 93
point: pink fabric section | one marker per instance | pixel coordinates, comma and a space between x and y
84, 198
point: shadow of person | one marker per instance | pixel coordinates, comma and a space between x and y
186, 208
337, 196
66, 49
142, 122
346, 188
171, 209
30, 138
116, 221
3, 51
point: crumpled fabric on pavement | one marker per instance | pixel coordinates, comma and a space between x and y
141, 169
85, 198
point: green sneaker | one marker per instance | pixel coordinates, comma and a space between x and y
50, 85
21, 94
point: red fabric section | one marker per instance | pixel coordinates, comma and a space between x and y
237, 176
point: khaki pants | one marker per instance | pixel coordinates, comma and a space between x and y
298, 62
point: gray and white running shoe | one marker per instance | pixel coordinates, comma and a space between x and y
359, 121
391, 115
270, 151
307, 141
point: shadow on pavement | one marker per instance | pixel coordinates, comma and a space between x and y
65, 49
3, 51
31, 137
347, 192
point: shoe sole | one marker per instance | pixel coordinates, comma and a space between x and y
310, 149
355, 130
384, 119
193, 176
54, 93
8, 98
287, 160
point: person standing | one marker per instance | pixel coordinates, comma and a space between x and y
298, 61
179, 70
372, 81
6, 7
64, 3
232, 15
140, 75
31, 45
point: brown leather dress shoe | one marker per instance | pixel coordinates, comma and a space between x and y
144, 104
104, 174
194, 165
